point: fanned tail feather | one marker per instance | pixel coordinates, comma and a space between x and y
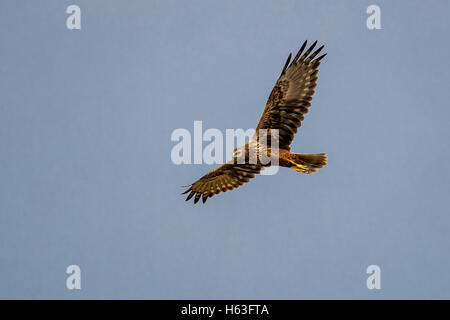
309, 163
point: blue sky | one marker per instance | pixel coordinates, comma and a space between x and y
86, 176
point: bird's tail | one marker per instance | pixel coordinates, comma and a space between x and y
308, 163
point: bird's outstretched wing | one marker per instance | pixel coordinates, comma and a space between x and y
291, 97
226, 177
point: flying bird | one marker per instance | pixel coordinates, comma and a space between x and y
284, 112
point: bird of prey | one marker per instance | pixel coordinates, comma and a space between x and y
284, 112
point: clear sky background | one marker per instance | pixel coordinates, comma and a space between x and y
86, 176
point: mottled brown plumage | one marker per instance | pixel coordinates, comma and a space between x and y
284, 112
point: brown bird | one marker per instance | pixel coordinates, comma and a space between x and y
285, 109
